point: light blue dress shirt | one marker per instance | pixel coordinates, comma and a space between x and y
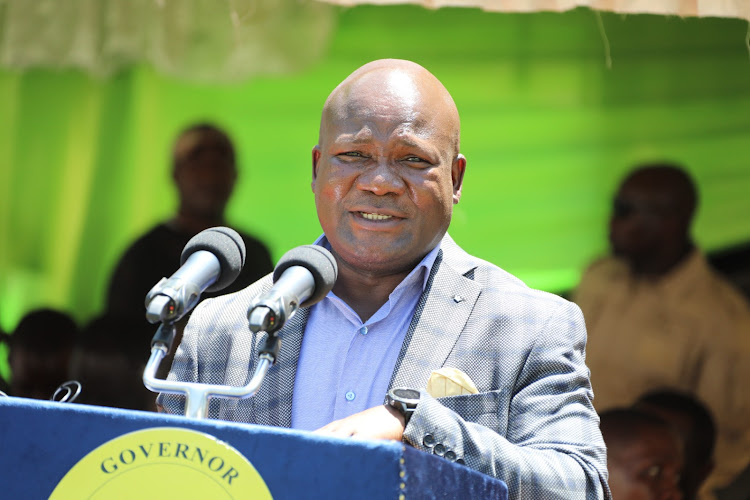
345, 365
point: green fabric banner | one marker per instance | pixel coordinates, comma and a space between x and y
548, 131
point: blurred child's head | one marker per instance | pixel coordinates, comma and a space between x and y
644, 455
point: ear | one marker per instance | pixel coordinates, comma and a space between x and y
457, 176
315, 160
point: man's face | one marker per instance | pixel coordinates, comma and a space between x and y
640, 219
648, 468
385, 176
205, 173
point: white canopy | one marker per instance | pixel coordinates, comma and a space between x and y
700, 8
231, 40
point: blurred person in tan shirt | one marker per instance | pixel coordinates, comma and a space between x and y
658, 316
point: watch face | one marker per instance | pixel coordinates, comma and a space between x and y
402, 393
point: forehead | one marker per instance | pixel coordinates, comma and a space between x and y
643, 193
194, 139
653, 446
382, 124
651, 183
388, 104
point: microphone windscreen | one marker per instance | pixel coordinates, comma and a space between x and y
318, 261
228, 248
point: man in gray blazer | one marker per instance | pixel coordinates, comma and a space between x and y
408, 301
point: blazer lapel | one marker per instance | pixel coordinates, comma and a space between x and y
272, 404
440, 316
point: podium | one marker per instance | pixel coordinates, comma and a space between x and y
41, 441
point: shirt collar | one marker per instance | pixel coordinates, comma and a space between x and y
683, 277
424, 266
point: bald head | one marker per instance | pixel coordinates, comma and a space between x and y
385, 83
386, 171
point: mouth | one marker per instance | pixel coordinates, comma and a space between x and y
374, 216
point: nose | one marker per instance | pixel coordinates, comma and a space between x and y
381, 178
670, 488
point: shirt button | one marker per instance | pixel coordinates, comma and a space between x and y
428, 440
439, 450
450, 455
363, 330
350, 396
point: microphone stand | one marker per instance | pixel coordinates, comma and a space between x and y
198, 394
170, 300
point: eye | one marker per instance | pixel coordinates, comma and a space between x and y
653, 472
353, 154
622, 208
415, 159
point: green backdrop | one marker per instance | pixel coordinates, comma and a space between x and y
548, 130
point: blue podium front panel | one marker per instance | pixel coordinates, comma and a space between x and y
41, 441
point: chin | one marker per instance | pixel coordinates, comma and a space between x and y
213, 211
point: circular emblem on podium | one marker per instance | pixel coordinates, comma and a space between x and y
159, 463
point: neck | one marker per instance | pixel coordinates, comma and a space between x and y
656, 266
365, 293
195, 223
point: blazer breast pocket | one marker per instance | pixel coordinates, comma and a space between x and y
489, 409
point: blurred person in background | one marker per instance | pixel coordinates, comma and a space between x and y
4, 385
204, 171
693, 422
644, 455
39, 353
108, 360
659, 316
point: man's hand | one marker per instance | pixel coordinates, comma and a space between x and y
379, 422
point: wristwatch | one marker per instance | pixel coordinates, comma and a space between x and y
404, 400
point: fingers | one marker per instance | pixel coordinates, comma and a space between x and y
338, 428
380, 422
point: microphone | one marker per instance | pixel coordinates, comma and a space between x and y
211, 261
303, 277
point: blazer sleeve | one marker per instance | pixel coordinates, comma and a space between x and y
552, 447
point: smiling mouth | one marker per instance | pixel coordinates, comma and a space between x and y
370, 216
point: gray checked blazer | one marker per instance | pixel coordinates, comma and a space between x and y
532, 423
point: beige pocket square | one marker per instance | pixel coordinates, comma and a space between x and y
450, 382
